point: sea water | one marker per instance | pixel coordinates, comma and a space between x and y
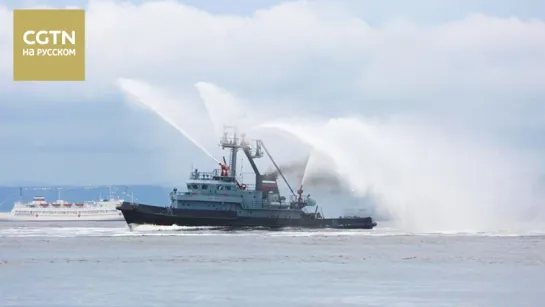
106, 264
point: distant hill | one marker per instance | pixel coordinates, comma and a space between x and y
141, 193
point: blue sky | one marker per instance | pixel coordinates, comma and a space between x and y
433, 11
476, 65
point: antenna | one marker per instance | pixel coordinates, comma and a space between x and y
241, 164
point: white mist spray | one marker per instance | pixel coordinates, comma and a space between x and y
170, 110
427, 181
222, 107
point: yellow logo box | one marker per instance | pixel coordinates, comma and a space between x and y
48, 45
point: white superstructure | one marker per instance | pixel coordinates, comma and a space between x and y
41, 210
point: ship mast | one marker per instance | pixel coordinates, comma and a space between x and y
234, 144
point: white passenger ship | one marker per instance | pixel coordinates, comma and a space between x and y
38, 209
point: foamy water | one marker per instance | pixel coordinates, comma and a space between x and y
66, 230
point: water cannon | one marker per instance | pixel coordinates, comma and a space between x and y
224, 168
300, 193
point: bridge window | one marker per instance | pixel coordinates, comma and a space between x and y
195, 186
204, 186
220, 187
228, 188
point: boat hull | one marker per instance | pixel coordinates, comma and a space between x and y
164, 216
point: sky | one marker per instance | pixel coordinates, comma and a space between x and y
478, 66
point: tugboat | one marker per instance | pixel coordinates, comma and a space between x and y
218, 199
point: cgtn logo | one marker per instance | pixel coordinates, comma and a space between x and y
49, 38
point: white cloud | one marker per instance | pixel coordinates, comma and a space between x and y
308, 56
306, 44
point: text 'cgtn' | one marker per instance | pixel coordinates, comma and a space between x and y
32, 37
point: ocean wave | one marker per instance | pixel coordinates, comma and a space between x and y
63, 231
